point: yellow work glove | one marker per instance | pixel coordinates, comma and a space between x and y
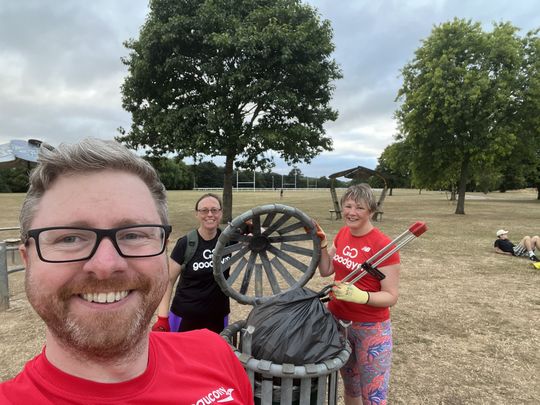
350, 293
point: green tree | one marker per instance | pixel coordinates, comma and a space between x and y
394, 164
522, 167
292, 179
324, 182
487, 178
174, 173
14, 180
209, 175
4, 186
268, 180
235, 78
458, 101
527, 152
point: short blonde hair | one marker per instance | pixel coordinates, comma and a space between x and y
361, 192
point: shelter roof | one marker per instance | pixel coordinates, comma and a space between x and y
356, 173
17, 152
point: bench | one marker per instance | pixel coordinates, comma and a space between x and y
334, 212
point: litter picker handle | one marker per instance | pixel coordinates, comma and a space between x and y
415, 230
373, 271
418, 228
370, 265
365, 269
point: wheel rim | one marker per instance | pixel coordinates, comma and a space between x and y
280, 254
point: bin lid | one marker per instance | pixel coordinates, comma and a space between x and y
267, 251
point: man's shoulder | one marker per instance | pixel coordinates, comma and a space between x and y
199, 366
23, 385
193, 339
198, 334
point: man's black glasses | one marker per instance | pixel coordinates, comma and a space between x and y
60, 244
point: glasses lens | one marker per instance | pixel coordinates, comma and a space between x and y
141, 240
66, 244
206, 211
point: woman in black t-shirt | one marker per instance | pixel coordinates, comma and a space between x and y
199, 302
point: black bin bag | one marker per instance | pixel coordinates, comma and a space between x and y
294, 328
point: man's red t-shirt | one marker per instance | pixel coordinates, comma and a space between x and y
188, 368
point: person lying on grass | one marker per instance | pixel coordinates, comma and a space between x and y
524, 248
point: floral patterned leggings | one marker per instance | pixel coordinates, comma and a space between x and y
367, 372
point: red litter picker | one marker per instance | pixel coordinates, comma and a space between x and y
370, 265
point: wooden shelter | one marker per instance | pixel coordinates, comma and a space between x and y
358, 173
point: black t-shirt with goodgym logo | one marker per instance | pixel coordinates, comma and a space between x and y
198, 294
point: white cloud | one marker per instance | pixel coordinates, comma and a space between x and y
60, 69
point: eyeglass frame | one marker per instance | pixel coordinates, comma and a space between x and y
100, 235
206, 211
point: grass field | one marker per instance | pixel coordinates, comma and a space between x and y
467, 324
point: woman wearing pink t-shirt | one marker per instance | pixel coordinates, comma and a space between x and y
366, 303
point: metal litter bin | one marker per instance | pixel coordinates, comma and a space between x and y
273, 383
277, 250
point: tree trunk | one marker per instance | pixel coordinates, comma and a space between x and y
453, 192
227, 190
194, 171
538, 191
462, 187
381, 198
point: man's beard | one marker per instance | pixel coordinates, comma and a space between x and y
108, 335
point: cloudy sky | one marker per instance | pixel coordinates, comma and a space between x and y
60, 69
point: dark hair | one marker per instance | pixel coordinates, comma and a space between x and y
208, 195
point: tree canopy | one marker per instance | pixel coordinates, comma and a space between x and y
394, 162
460, 98
235, 78
14, 180
174, 174
524, 163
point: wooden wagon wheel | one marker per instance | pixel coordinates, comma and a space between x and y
266, 251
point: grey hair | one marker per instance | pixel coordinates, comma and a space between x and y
88, 155
360, 192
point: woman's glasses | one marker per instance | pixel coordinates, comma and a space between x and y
206, 211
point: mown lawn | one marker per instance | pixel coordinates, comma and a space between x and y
467, 324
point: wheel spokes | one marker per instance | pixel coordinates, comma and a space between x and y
270, 249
